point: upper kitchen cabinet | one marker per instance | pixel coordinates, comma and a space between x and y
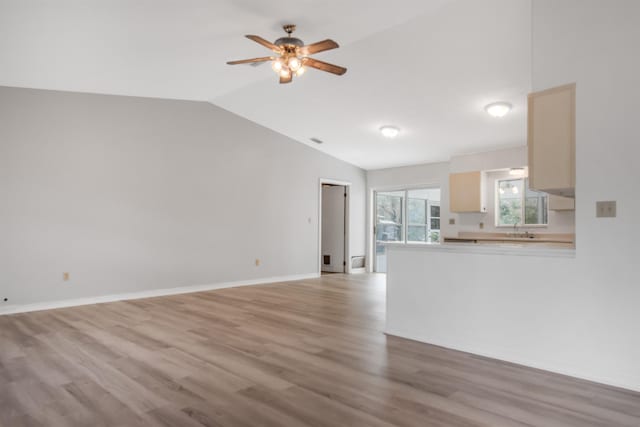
551, 140
466, 192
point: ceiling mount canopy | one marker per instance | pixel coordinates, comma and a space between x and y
293, 56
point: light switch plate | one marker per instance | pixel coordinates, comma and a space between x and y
606, 209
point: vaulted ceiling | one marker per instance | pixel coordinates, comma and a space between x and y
426, 66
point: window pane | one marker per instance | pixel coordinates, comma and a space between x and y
435, 211
389, 207
510, 212
389, 233
535, 207
510, 201
417, 233
434, 236
435, 223
416, 211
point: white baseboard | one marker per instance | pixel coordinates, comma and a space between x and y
14, 309
502, 356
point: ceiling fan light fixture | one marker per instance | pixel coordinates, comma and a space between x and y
276, 65
389, 131
285, 72
292, 55
294, 64
498, 109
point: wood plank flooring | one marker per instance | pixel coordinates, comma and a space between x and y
306, 353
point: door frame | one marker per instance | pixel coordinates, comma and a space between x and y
347, 215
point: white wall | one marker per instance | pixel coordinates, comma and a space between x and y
578, 316
490, 160
333, 203
595, 43
432, 194
132, 194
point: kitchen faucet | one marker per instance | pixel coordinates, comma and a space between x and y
516, 234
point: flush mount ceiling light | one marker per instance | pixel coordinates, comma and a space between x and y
498, 109
389, 131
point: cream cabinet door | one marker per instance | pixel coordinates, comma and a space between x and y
466, 192
551, 140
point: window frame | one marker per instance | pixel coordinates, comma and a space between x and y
525, 187
439, 218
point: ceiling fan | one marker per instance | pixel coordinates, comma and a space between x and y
293, 55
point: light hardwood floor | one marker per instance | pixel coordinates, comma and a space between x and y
307, 353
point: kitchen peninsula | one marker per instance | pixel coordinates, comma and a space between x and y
495, 300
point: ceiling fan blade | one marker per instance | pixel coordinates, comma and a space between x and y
248, 61
324, 66
318, 47
265, 43
286, 79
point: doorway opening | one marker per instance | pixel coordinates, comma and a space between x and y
334, 211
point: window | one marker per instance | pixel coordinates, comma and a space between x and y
416, 220
518, 205
422, 225
405, 216
389, 216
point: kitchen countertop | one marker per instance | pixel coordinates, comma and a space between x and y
551, 238
556, 250
542, 244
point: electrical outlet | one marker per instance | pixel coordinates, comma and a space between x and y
65, 276
606, 209
481, 225
257, 262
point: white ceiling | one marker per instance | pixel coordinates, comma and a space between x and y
427, 66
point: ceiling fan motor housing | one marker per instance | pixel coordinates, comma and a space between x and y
292, 41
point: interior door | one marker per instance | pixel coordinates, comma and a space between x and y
333, 228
